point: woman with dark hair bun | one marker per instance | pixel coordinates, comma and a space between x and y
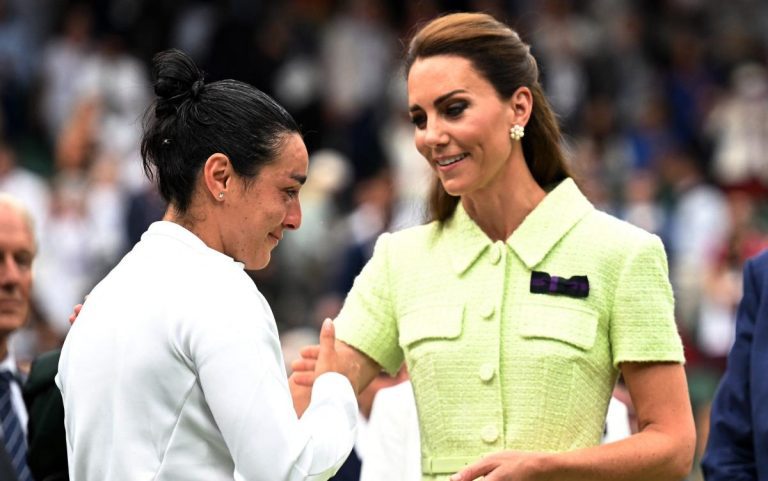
519, 306
173, 370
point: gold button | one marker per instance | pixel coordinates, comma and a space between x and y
486, 372
489, 434
488, 310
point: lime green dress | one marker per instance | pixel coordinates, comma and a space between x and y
494, 365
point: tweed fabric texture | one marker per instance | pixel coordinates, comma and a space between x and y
493, 365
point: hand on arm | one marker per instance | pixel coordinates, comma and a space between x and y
318, 360
661, 450
75, 312
356, 366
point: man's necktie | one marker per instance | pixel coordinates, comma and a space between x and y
13, 434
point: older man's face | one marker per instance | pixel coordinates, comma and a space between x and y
17, 250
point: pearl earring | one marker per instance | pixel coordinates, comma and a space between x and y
221, 195
516, 132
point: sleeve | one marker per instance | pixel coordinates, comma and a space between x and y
643, 325
240, 369
367, 321
730, 453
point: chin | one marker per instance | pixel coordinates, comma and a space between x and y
9, 322
453, 188
258, 263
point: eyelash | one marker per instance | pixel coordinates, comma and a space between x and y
292, 193
454, 110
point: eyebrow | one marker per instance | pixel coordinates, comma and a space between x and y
301, 179
438, 100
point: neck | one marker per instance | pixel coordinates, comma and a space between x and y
197, 222
500, 208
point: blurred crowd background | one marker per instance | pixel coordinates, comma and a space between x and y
663, 103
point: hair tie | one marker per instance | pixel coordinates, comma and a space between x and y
197, 87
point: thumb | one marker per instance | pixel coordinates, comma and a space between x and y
327, 335
326, 360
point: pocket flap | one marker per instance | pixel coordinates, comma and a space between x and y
577, 327
440, 322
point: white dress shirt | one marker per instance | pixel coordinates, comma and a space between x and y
173, 371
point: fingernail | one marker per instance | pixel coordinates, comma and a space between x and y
456, 477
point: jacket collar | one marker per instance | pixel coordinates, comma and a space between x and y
542, 229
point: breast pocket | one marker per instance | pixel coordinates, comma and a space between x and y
431, 328
555, 329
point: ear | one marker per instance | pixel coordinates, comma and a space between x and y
217, 175
520, 106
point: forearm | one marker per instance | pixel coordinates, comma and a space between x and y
650, 454
359, 368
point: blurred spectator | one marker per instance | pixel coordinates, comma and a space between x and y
16, 68
29, 188
722, 287
62, 62
358, 54
738, 125
117, 85
17, 252
696, 226
641, 206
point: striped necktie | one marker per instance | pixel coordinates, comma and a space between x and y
13, 434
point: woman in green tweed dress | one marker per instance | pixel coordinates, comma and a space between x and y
520, 304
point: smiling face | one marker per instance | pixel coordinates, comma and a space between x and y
17, 250
259, 212
462, 126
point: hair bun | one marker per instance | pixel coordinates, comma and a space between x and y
177, 79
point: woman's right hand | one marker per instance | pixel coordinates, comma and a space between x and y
359, 368
315, 360
327, 359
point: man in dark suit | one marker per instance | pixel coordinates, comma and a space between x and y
737, 449
17, 251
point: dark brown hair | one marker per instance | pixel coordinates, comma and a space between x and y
505, 61
190, 120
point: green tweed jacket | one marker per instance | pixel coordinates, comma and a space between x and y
516, 344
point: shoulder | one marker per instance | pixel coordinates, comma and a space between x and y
614, 242
759, 263
408, 244
420, 234
610, 230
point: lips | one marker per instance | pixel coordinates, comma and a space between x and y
275, 238
445, 161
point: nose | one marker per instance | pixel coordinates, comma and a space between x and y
293, 216
434, 134
10, 274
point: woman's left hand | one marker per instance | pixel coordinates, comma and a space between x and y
503, 466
